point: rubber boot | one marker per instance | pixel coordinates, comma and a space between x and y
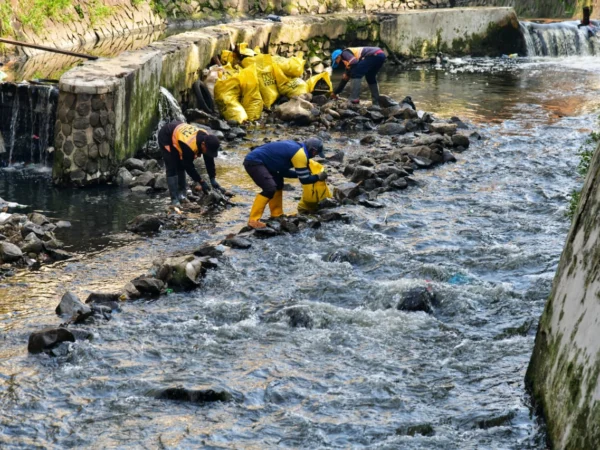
276, 204
258, 208
374, 93
182, 188
354, 90
172, 184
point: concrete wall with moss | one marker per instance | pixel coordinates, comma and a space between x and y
457, 31
563, 374
551, 9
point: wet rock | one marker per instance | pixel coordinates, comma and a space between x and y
346, 191
372, 183
30, 227
319, 100
448, 156
124, 178
347, 113
38, 219
214, 251
220, 125
421, 161
336, 157
492, 420
70, 306
370, 204
40, 341
521, 330
428, 139
417, 299
289, 226
181, 272
110, 300
238, 132
391, 129
351, 256
61, 349
134, 164
362, 173
63, 224
148, 285
10, 252
442, 127
396, 182
459, 123
299, 317
267, 232
296, 110
423, 429
32, 244
368, 139
144, 223
151, 165
459, 140
57, 254
237, 242
141, 189
386, 101
375, 116
328, 203
161, 183
145, 179
192, 396
130, 291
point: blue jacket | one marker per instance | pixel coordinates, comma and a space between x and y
280, 157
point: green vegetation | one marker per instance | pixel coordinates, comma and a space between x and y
99, 11
5, 19
33, 13
586, 152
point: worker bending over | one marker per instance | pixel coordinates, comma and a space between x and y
269, 164
180, 144
359, 62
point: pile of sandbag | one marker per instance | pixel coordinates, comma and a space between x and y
241, 92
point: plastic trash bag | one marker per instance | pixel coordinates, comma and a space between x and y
312, 81
251, 98
290, 87
227, 95
292, 67
312, 194
266, 77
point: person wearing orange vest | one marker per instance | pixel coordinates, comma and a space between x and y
359, 62
180, 144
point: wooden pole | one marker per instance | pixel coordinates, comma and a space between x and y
47, 49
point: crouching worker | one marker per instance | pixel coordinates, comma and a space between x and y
180, 144
269, 164
359, 62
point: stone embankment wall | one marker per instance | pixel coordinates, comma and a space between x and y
564, 371
108, 109
540, 8
80, 23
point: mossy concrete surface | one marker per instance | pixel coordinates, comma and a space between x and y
456, 31
565, 365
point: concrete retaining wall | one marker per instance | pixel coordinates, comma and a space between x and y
458, 31
90, 142
563, 374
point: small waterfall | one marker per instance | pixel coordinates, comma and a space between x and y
28, 128
561, 39
169, 108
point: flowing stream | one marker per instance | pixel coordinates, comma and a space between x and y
485, 234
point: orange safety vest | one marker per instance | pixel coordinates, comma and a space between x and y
187, 134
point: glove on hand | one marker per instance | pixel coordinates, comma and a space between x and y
323, 176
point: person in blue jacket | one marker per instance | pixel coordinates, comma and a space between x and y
269, 164
359, 62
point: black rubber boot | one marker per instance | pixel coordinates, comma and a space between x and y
172, 184
182, 188
354, 90
374, 93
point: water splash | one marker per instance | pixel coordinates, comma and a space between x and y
561, 39
169, 108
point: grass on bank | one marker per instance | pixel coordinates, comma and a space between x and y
586, 153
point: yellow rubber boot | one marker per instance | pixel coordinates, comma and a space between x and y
276, 204
258, 208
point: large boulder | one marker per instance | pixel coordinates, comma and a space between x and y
346, 191
296, 110
38, 219
161, 182
391, 129
362, 173
144, 223
180, 272
135, 164
124, 177
32, 244
30, 227
417, 299
148, 285
70, 306
145, 179
442, 127
460, 140
48, 338
10, 252
435, 155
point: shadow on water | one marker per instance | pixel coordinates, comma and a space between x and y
310, 344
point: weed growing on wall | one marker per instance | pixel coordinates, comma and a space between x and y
586, 152
33, 13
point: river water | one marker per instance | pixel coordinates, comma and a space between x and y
485, 234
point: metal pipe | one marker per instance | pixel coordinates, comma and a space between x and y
48, 49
